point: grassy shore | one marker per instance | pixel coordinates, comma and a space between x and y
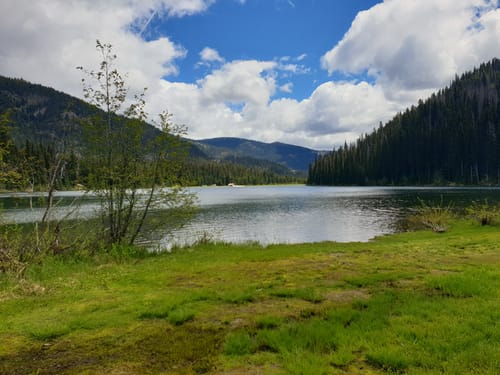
412, 303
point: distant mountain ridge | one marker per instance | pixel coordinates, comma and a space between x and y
43, 114
294, 157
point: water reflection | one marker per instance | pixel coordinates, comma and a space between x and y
279, 214
311, 214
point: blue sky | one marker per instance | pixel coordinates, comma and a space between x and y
263, 30
314, 73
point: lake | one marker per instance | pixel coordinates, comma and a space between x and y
296, 214
281, 214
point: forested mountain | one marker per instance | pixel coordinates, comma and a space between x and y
40, 114
38, 123
453, 137
294, 157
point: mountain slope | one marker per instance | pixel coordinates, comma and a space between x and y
294, 157
42, 115
451, 138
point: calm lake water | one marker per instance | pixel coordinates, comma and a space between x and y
283, 214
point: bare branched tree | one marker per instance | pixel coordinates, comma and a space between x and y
129, 162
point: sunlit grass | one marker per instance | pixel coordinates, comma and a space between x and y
415, 303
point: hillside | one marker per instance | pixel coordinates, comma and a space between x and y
44, 120
453, 137
294, 157
40, 114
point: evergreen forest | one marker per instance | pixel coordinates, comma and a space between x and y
43, 144
31, 167
198, 172
452, 138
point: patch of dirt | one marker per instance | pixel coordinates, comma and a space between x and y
243, 315
347, 296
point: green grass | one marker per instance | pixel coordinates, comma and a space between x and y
307, 294
180, 316
478, 282
239, 343
411, 303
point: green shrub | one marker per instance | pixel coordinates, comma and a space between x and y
12, 249
436, 217
484, 213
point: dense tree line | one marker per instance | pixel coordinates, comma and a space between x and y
451, 138
212, 172
31, 167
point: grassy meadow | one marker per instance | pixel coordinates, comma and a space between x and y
409, 303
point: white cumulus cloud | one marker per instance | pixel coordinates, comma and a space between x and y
240, 82
43, 41
392, 55
210, 55
409, 46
